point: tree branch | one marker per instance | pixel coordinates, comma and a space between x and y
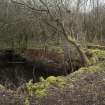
32, 8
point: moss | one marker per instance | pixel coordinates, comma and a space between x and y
96, 68
93, 68
41, 89
95, 55
99, 53
61, 82
51, 79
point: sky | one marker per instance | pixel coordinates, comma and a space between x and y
89, 5
73, 2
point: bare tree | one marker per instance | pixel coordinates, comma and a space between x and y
57, 14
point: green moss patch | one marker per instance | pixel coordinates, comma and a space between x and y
95, 55
41, 89
99, 53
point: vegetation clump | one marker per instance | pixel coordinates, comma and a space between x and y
96, 68
41, 89
99, 53
95, 55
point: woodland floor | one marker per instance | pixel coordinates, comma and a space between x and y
83, 87
88, 88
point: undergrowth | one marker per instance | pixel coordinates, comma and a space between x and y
41, 89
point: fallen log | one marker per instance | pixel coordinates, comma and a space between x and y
90, 46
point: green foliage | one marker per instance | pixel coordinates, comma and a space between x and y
41, 89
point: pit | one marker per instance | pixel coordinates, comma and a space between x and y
18, 68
